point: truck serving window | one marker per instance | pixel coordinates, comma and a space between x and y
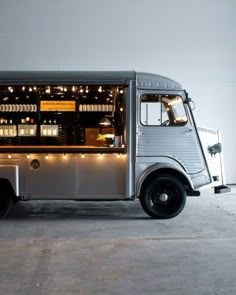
44, 115
162, 110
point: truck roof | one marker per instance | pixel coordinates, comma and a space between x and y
143, 80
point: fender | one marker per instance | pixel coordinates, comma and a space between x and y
165, 168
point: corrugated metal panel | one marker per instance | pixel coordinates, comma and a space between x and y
176, 142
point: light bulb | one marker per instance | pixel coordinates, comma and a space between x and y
10, 89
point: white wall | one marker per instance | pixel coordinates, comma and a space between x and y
193, 42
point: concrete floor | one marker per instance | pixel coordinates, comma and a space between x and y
115, 248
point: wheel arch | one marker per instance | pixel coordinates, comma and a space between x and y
6, 187
158, 169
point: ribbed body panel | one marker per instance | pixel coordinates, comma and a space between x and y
179, 143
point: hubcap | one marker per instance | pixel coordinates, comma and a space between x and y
163, 197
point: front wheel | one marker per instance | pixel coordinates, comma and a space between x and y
163, 197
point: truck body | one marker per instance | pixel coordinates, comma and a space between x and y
99, 136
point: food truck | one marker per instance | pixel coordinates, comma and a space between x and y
100, 136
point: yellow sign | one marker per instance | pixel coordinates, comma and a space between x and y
57, 105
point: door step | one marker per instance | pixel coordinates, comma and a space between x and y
221, 189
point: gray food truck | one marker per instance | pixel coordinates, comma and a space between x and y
99, 136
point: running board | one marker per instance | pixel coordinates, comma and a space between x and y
221, 189
192, 193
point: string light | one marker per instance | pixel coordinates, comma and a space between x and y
100, 89
48, 90
64, 156
10, 89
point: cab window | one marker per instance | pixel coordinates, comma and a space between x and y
162, 110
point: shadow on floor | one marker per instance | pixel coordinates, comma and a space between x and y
46, 210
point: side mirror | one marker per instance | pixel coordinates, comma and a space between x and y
215, 148
191, 104
190, 101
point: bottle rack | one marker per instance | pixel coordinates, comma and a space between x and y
27, 130
8, 130
18, 108
95, 108
49, 130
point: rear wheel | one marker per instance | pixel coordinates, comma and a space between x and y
163, 197
6, 197
5, 205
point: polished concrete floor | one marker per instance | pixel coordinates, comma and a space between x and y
115, 248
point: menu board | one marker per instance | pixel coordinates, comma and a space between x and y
57, 105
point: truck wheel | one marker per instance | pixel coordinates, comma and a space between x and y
6, 197
5, 205
163, 197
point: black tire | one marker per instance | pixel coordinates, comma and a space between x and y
6, 197
5, 205
163, 197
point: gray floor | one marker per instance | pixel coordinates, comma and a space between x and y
114, 248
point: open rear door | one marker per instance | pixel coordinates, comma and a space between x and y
212, 146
